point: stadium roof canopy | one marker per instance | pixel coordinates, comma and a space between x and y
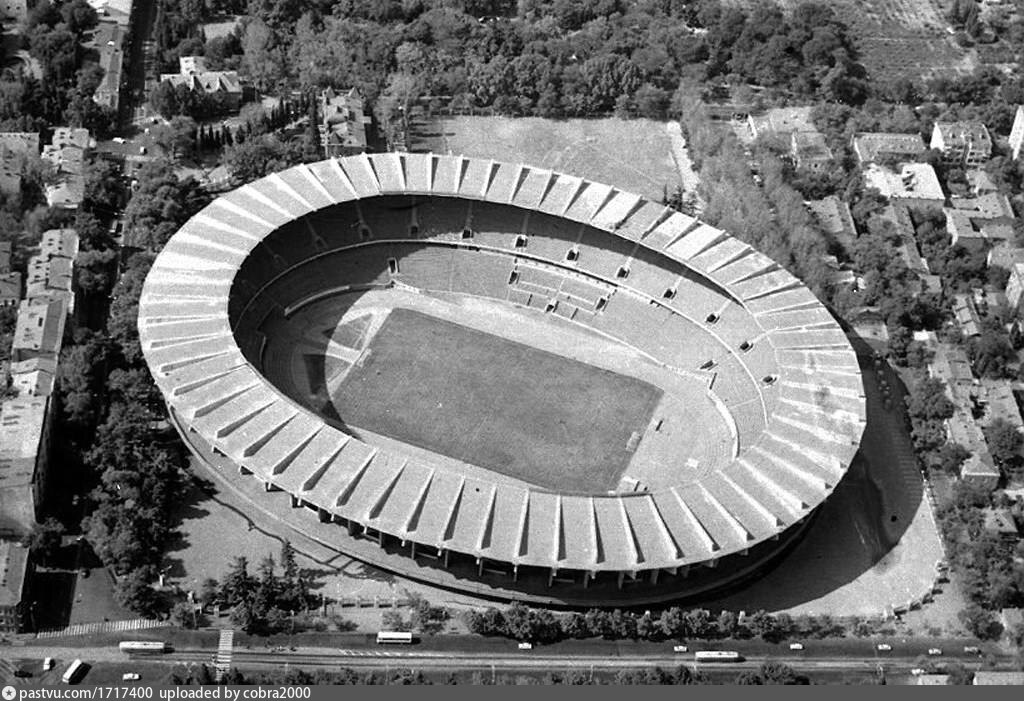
812, 432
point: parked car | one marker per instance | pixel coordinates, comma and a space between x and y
525, 646
130, 677
972, 650
796, 646
47, 664
680, 648
934, 651
883, 647
22, 674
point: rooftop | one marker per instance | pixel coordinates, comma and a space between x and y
990, 678
911, 181
958, 133
39, 329
871, 147
13, 572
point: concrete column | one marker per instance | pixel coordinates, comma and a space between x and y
586, 579
685, 571
380, 538
446, 553
323, 515
352, 528
267, 487
479, 566
413, 549
551, 575
654, 576
515, 573
621, 577
296, 502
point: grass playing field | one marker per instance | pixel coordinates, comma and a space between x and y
634, 155
502, 405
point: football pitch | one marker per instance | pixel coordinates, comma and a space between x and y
522, 412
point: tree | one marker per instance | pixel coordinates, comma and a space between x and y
183, 614
1004, 443
161, 205
256, 157
238, 585
980, 623
135, 591
46, 538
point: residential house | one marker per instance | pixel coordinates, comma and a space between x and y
966, 315
116, 11
965, 143
809, 151
15, 572
875, 147
34, 377
109, 39
193, 73
39, 331
67, 152
913, 184
25, 431
10, 289
51, 273
1017, 132
781, 120
999, 521
15, 148
343, 123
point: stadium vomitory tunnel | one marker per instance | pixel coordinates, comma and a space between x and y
501, 379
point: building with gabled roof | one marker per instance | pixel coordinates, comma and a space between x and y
343, 123
966, 315
39, 330
10, 289
987, 677
34, 377
965, 142
872, 147
193, 74
15, 571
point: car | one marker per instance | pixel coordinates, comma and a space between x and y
142, 150
917, 671
796, 646
934, 651
883, 647
130, 677
680, 648
972, 650
119, 140
47, 664
525, 646
22, 674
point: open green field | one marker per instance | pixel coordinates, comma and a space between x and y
502, 405
634, 155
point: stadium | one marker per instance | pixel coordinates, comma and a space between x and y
504, 380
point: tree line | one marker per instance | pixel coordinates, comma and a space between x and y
521, 622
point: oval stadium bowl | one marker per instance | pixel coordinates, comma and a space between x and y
501, 379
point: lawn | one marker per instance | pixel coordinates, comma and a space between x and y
634, 155
502, 405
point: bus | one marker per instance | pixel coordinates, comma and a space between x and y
143, 647
72, 673
717, 656
386, 637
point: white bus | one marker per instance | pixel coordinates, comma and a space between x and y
385, 637
143, 646
716, 656
73, 672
